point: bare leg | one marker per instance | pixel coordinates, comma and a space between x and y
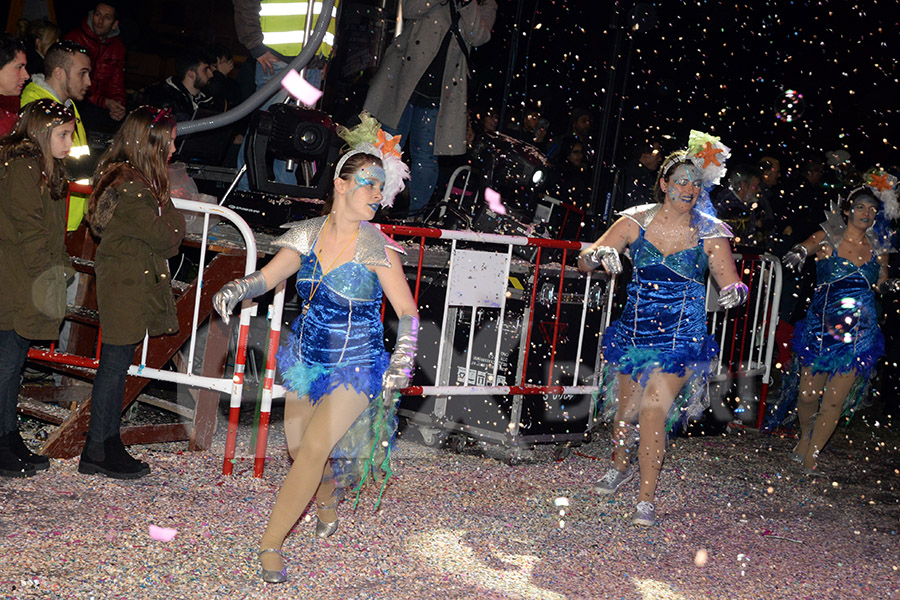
811, 387
626, 416
836, 391
332, 417
659, 394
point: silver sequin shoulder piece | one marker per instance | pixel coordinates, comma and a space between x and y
643, 214
709, 227
371, 247
301, 236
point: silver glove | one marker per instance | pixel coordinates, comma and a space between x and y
733, 295
889, 286
606, 256
795, 258
403, 360
234, 291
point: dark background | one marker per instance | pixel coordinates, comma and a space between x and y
713, 65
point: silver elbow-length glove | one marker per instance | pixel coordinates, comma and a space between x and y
227, 298
403, 360
733, 295
605, 256
795, 257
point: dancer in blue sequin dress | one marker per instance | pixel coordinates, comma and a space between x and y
339, 413
839, 342
659, 347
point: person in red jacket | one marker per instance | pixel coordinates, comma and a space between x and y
13, 76
99, 33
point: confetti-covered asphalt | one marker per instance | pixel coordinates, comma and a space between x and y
738, 520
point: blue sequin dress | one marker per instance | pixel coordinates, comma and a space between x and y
840, 332
663, 326
338, 341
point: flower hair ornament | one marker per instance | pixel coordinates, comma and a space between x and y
708, 154
369, 138
883, 186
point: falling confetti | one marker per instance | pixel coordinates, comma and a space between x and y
301, 89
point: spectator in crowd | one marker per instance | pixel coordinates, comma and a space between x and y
38, 36
532, 130
419, 92
225, 90
639, 175
573, 184
184, 93
66, 79
804, 202
737, 203
33, 259
139, 228
13, 75
769, 176
581, 125
99, 33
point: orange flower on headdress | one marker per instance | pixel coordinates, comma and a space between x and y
879, 181
708, 154
388, 144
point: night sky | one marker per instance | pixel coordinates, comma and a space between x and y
724, 67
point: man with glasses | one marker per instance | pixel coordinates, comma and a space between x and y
99, 33
66, 79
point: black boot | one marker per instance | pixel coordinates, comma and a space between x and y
111, 459
17, 445
10, 464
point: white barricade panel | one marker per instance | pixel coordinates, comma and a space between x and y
478, 279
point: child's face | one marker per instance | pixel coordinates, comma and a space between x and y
61, 140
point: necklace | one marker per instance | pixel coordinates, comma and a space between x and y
325, 272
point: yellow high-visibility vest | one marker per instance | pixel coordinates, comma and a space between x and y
286, 24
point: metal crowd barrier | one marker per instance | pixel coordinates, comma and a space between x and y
232, 385
745, 334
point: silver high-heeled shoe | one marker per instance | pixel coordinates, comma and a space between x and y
270, 575
323, 529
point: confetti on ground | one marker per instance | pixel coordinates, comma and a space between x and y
469, 525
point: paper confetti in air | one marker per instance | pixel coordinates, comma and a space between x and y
494, 203
300, 88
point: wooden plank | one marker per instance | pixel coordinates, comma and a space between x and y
64, 394
155, 434
207, 408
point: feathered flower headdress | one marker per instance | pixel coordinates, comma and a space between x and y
369, 138
883, 186
708, 154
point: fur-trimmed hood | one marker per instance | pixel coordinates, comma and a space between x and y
105, 197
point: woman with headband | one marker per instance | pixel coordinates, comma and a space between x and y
839, 342
659, 348
340, 409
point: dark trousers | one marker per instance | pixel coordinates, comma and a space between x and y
109, 391
13, 352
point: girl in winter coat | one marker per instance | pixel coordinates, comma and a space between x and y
139, 229
33, 260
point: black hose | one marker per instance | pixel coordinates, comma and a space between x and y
261, 95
